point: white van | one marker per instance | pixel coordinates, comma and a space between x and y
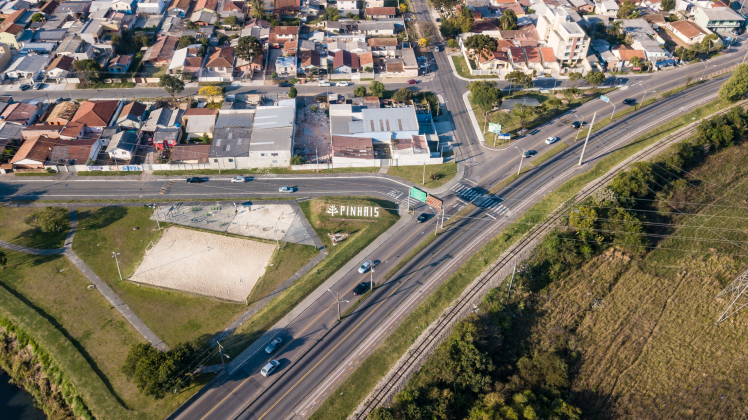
323, 83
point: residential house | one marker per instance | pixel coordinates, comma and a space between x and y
185, 61
49, 8
380, 124
721, 19
151, 7
161, 52
199, 121
166, 137
494, 60
567, 39
62, 113
61, 68
374, 3
220, 63
204, 18
625, 55
606, 8
381, 12
33, 153
75, 47
256, 23
190, 153
285, 66
5, 57
124, 6
97, 114
75, 9
205, 6
548, 57
345, 62
35, 131
120, 63
10, 34
347, 150
645, 38
248, 67
272, 137
279, 35
76, 152
131, 116
27, 66
377, 28
53, 35
73, 130
122, 146
347, 6
180, 7
164, 117
283, 8
309, 61
689, 32
290, 48
583, 6
234, 8
383, 47
366, 61
38, 47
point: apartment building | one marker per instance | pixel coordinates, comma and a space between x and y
567, 39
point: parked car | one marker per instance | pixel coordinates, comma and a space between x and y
422, 218
361, 288
284, 84
38, 85
629, 101
273, 345
364, 267
239, 179
412, 81
285, 189
342, 84
323, 83
25, 87
529, 153
270, 368
576, 124
196, 180
551, 140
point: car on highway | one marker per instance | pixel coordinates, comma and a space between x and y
239, 179
285, 189
551, 140
412, 81
273, 345
576, 124
422, 217
361, 288
629, 101
284, 84
196, 180
270, 368
364, 267
529, 153
25, 87
341, 84
323, 83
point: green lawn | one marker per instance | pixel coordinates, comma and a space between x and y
286, 261
36, 174
14, 230
361, 235
443, 172
173, 316
463, 70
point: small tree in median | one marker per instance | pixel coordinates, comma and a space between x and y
575, 78
292, 92
49, 219
171, 84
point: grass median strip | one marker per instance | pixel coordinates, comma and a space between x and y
436, 175
360, 383
549, 154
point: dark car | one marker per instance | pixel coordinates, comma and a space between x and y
576, 124
629, 101
361, 288
196, 180
25, 87
284, 84
529, 153
422, 218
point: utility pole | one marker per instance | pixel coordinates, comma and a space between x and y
244, 289
220, 352
512, 280
442, 217
337, 299
587, 139
521, 157
371, 279
114, 254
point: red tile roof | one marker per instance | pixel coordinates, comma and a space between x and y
206, 4
186, 152
286, 5
96, 113
221, 57
37, 150
532, 54
548, 55
200, 111
345, 58
518, 55
377, 11
285, 30
382, 42
687, 28
366, 59
627, 55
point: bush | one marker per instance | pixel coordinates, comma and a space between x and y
313, 108
154, 372
49, 219
298, 160
292, 92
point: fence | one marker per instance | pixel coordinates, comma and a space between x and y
376, 163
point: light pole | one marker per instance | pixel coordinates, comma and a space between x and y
316, 158
644, 95
587, 139
581, 124
244, 289
371, 279
706, 64
337, 299
114, 255
220, 352
521, 157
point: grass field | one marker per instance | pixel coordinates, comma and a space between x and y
14, 230
371, 370
414, 174
173, 316
361, 235
284, 263
463, 70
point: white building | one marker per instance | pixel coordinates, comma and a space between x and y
606, 8
151, 7
720, 19
567, 39
273, 131
382, 124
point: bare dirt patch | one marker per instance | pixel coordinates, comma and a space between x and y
313, 135
204, 263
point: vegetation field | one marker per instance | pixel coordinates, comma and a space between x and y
436, 175
286, 261
14, 230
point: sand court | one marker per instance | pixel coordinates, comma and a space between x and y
262, 220
204, 263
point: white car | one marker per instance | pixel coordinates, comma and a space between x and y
239, 179
364, 267
273, 345
551, 140
323, 83
285, 189
270, 367
341, 84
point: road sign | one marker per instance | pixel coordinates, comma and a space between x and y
604, 98
494, 128
434, 202
418, 194
504, 136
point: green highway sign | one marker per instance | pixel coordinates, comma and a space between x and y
418, 194
604, 98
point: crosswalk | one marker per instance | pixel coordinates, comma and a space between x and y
395, 194
480, 199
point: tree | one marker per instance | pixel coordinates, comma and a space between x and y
171, 84
667, 5
3, 260
524, 113
186, 41
736, 86
156, 373
231, 21
49, 219
258, 9
508, 20
205, 139
465, 19
402, 95
518, 77
449, 29
625, 10
292, 92
248, 47
116, 39
486, 95
423, 42
480, 43
451, 43
142, 39
298, 160
210, 92
38, 17
90, 70
575, 78
331, 13
685, 54
595, 78
376, 89
403, 8
360, 91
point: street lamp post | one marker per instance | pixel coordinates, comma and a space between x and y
644, 95
371, 279
581, 122
337, 299
521, 157
114, 255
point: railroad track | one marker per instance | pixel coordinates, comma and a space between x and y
537, 232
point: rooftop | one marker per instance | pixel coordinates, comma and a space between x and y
230, 142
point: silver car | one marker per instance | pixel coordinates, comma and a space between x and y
239, 179
551, 140
273, 345
270, 368
364, 267
285, 189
